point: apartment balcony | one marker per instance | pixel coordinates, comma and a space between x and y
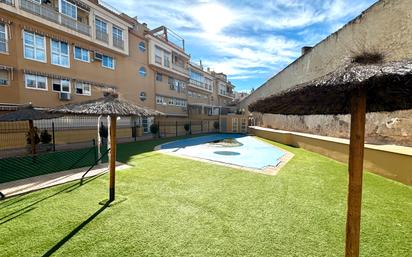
50, 14
200, 85
226, 94
119, 43
102, 36
180, 69
9, 2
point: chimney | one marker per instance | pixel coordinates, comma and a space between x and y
306, 49
201, 65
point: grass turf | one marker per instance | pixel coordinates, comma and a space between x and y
178, 207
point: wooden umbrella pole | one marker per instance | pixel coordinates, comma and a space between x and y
356, 152
112, 165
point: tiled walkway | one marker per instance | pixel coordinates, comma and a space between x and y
24, 186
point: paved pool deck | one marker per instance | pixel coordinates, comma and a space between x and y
24, 186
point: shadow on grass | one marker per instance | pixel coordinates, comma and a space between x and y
23, 210
76, 230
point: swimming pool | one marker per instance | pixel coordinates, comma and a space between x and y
241, 150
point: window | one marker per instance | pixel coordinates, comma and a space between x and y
68, 9
117, 37
142, 46
235, 125
166, 59
4, 77
142, 72
81, 54
3, 38
36, 1
172, 101
142, 96
108, 62
160, 100
158, 55
159, 76
101, 30
35, 82
61, 85
146, 122
34, 46
83, 89
60, 53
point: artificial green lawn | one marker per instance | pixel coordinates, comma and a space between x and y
170, 206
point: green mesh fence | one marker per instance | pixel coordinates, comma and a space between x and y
16, 168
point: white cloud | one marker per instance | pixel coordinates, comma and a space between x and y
246, 39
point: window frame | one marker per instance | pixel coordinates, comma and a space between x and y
36, 82
114, 27
35, 49
142, 48
113, 62
60, 81
82, 85
60, 53
8, 78
101, 21
162, 102
81, 54
6, 42
71, 4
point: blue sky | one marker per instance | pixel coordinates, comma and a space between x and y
248, 40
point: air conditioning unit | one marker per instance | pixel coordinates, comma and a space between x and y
65, 96
98, 56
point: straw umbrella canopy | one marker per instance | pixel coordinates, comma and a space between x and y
114, 107
28, 113
365, 85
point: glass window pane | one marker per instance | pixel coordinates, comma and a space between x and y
41, 82
28, 38
85, 55
40, 55
29, 52
39, 42
64, 48
77, 52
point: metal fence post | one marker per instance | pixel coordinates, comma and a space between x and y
190, 127
95, 151
135, 131
177, 134
201, 126
54, 140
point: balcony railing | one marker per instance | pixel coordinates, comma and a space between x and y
119, 43
227, 94
200, 84
9, 2
102, 36
54, 16
180, 68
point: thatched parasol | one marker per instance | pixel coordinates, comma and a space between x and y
114, 107
387, 87
356, 88
28, 113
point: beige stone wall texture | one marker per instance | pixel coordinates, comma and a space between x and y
385, 27
381, 128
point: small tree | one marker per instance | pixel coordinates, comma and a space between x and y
36, 137
45, 137
216, 125
154, 129
187, 128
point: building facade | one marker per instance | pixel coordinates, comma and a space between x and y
60, 51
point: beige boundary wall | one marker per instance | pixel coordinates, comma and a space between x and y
394, 162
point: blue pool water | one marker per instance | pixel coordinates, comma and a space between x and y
251, 152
